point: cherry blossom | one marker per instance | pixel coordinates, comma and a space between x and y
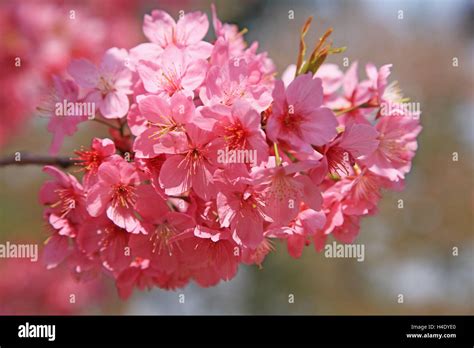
210, 160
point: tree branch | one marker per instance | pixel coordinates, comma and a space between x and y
26, 158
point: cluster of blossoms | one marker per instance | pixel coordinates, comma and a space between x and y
40, 39
211, 158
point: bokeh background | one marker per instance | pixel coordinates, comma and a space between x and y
408, 251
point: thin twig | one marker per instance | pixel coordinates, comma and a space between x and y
352, 108
25, 159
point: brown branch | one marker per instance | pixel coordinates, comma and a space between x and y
25, 159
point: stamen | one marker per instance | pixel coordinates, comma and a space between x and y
90, 160
124, 195
161, 238
67, 201
235, 136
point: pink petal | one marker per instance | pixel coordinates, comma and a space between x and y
123, 217
359, 139
145, 142
311, 194
312, 220
97, 200
148, 72
55, 250
203, 181
192, 28
195, 74
150, 205
84, 73
295, 244
320, 127
174, 175
154, 108
115, 105
158, 27
182, 108
305, 93
248, 231
350, 81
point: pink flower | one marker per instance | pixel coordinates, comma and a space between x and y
100, 236
238, 128
242, 209
298, 118
397, 146
165, 123
257, 256
343, 226
361, 193
285, 190
108, 85
146, 51
114, 193
139, 274
215, 159
216, 256
136, 121
230, 33
191, 167
163, 226
64, 198
340, 155
57, 247
332, 208
387, 96
299, 230
235, 78
102, 150
331, 77
174, 72
187, 34
60, 123
346, 201
379, 80
151, 168
63, 195
349, 230
356, 95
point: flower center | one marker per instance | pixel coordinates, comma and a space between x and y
105, 86
170, 81
167, 125
192, 160
233, 92
366, 188
235, 136
90, 160
66, 201
394, 149
123, 195
161, 238
339, 160
291, 122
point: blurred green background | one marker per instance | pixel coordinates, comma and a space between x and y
409, 251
